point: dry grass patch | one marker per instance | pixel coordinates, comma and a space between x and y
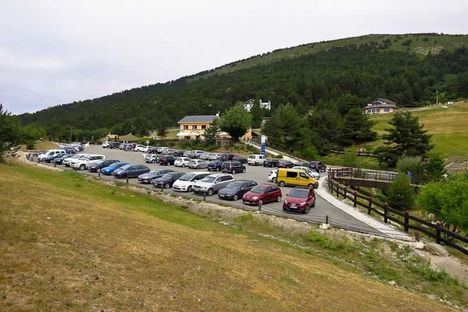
67, 243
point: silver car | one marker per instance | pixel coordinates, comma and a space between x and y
212, 183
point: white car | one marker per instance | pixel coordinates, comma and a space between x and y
52, 152
66, 161
140, 148
105, 144
255, 160
311, 172
85, 162
182, 162
198, 164
272, 175
214, 156
185, 182
212, 183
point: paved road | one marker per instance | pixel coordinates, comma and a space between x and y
337, 217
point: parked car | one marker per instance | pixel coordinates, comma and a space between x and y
215, 165
240, 159
311, 172
82, 163
102, 164
188, 154
197, 153
169, 151
255, 160
147, 178
144, 149
272, 175
160, 149
182, 162
138, 148
270, 162
151, 158
152, 150
262, 194
236, 189
167, 180
185, 182
212, 183
233, 167
226, 156
214, 156
113, 145
130, 171
295, 177
285, 164
166, 160
49, 153
300, 199
317, 166
59, 160
66, 161
50, 157
301, 163
198, 164
105, 144
204, 156
110, 169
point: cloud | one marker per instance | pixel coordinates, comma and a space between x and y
55, 52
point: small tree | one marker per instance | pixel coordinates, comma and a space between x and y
211, 133
400, 194
162, 131
235, 121
357, 127
413, 168
447, 200
10, 132
435, 167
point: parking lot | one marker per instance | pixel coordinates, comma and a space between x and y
318, 214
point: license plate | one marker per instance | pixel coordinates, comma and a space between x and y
293, 205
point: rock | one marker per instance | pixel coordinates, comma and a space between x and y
436, 249
324, 226
419, 245
393, 283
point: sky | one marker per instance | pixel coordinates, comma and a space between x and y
57, 52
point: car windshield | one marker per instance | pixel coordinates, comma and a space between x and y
235, 185
299, 193
259, 189
125, 167
119, 164
187, 176
208, 179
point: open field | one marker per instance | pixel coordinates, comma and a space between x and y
448, 126
68, 243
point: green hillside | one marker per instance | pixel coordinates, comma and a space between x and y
421, 44
339, 74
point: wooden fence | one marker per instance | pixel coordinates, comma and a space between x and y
403, 218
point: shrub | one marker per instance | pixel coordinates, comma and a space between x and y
309, 152
400, 194
412, 165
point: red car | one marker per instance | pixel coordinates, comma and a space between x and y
261, 194
300, 200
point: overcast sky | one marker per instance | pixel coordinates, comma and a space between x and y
56, 52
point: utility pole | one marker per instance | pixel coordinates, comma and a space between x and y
437, 97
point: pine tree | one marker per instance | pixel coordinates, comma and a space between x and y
357, 127
256, 113
211, 133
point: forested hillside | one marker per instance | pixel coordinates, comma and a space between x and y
341, 74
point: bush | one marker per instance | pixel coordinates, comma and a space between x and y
414, 166
435, 168
350, 159
309, 153
400, 194
447, 200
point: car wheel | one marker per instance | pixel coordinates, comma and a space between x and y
243, 170
309, 186
189, 189
233, 172
282, 184
82, 167
168, 185
236, 197
210, 192
278, 199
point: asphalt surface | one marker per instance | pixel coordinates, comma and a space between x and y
318, 214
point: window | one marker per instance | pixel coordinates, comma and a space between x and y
303, 175
203, 127
386, 109
194, 127
291, 174
185, 127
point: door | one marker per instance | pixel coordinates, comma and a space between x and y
303, 179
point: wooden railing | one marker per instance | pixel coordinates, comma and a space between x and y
403, 218
366, 174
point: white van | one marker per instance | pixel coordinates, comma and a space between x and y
255, 160
85, 162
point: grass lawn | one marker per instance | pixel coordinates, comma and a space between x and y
69, 243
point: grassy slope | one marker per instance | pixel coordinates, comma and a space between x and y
70, 243
448, 126
418, 45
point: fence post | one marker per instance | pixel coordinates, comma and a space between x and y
385, 213
370, 206
259, 205
326, 219
355, 199
344, 192
406, 223
204, 196
127, 178
438, 233
99, 173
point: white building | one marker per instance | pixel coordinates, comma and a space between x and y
380, 106
250, 103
